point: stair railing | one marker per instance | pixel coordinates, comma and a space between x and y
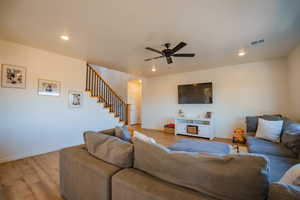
100, 88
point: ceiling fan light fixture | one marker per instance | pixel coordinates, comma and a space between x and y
153, 69
65, 37
242, 53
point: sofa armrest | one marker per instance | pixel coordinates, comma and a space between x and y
83, 176
282, 191
108, 132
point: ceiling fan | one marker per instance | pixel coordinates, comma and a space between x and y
169, 53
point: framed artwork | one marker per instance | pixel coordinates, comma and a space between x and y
48, 88
75, 99
13, 76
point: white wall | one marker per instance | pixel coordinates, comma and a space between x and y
294, 81
32, 124
116, 79
240, 90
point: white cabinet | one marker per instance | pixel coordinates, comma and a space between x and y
198, 127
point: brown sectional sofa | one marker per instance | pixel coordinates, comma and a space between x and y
85, 177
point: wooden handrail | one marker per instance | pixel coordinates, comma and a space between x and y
106, 83
101, 89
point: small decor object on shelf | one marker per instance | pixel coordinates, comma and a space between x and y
13, 76
208, 115
169, 128
75, 99
180, 113
238, 138
49, 88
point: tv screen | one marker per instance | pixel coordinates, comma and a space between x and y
200, 93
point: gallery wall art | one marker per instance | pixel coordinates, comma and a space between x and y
13, 76
48, 88
75, 99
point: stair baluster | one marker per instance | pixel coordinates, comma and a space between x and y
106, 95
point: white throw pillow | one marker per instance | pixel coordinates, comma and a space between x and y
292, 176
269, 130
143, 137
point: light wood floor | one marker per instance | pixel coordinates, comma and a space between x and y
37, 178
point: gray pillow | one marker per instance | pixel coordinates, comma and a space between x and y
229, 177
292, 141
123, 133
252, 123
291, 136
291, 126
109, 149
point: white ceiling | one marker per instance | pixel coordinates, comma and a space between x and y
114, 33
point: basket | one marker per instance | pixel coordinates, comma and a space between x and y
169, 130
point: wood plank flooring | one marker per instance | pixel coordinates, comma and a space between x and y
37, 178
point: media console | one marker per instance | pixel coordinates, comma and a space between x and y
198, 127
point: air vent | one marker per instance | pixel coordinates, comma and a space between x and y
257, 42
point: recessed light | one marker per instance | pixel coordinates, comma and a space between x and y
153, 69
241, 53
64, 37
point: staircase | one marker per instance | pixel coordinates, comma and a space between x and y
100, 89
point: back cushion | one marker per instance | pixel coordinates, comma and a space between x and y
291, 136
252, 121
231, 177
109, 149
291, 127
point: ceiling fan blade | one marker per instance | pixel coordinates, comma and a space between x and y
169, 60
153, 58
184, 55
178, 47
151, 49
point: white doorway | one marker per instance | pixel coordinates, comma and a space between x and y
134, 98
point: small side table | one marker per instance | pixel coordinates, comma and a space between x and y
238, 140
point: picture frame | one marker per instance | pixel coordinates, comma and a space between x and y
75, 99
13, 76
48, 88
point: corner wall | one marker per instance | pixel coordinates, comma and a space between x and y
31, 124
239, 90
294, 83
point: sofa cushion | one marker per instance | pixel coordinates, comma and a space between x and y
292, 176
109, 149
222, 177
269, 130
190, 145
123, 133
260, 146
83, 176
252, 121
292, 141
132, 184
291, 126
279, 166
142, 136
108, 132
282, 191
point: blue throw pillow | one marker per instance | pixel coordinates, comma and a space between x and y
123, 133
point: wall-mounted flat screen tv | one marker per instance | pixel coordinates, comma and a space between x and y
199, 93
